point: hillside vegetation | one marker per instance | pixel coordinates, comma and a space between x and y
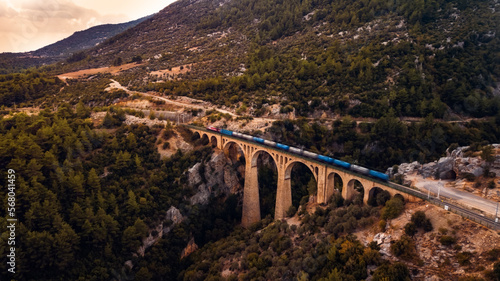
349, 57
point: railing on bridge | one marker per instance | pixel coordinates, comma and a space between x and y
452, 207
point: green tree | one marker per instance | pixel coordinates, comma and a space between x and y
392, 209
93, 181
133, 235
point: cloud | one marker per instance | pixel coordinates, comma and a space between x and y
27, 25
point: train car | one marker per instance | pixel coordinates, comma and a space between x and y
296, 150
259, 140
325, 158
246, 137
270, 143
282, 146
361, 170
379, 175
342, 164
226, 132
310, 154
213, 129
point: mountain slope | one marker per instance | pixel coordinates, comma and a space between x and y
340, 57
85, 39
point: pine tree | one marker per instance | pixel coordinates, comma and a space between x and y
93, 181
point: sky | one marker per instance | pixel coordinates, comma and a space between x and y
27, 25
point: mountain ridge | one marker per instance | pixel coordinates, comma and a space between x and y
63, 49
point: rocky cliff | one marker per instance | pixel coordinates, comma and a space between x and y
220, 175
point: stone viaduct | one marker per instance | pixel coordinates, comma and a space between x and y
325, 175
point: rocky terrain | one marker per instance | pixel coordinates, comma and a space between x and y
462, 168
435, 261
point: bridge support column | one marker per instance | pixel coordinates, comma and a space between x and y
322, 196
251, 205
220, 145
283, 194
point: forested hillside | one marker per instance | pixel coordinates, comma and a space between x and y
86, 198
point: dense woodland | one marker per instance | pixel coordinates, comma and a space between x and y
86, 198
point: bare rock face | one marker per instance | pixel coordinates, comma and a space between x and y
384, 241
190, 248
217, 176
174, 215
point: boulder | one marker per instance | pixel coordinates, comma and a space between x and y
445, 165
428, 170
174, 215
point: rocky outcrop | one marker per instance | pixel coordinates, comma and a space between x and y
190, 248
174, 216
218, 176
454, 165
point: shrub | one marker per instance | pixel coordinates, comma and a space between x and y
392, 272
464, 258
469, 176
383, 197
404, 248
410, 229
421, 221
393, 208
166, 145
382, 224
443, 230
447, 240
291, 211
491, 184
493, 254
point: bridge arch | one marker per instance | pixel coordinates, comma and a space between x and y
204, 139
334, 183
377, 196
213, 141
252, 195
354, 188
292, 196
234, 151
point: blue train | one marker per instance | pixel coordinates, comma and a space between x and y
345, 165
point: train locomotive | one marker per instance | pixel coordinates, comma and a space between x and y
336, 162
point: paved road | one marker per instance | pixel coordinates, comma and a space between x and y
461, 197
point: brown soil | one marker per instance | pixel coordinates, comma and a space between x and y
88, 72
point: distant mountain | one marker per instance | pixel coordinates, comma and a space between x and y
85, 39
79, 41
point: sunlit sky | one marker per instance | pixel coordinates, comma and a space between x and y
27, 25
